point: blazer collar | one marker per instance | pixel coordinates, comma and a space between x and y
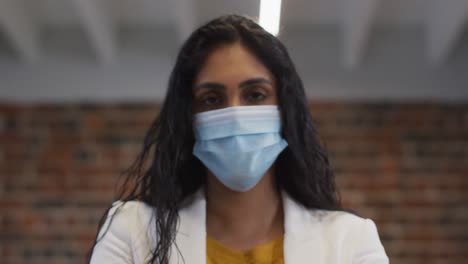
190, 240
301, 232
300, 238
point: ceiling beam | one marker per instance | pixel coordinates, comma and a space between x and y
358, 18
99, 28
444, 27
184, 12
20, 29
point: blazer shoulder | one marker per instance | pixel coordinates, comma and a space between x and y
124, 217
338, 217
358, 236
125, 235
131, 209
343, 223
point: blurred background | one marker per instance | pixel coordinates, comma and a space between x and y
81, 80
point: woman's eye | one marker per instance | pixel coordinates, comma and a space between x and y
255, 96
210, 100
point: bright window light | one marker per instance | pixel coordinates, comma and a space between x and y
270, 12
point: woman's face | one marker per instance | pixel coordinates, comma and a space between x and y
232, 76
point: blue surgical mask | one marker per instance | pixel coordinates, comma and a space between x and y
239, 144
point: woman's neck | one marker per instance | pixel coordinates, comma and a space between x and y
242, 220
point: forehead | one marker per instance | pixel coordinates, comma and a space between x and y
232, 63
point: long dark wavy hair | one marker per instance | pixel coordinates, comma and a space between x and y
166, 172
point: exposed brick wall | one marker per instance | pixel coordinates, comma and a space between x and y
406, 167
59, 167
403, 165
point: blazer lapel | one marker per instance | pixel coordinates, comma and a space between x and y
301, 241
190, 241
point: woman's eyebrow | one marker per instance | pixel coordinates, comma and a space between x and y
254, 81
215, 85
210, 85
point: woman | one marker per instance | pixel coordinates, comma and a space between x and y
236, 173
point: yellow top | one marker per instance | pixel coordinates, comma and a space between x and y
269, 253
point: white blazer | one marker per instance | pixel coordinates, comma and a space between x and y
311, 236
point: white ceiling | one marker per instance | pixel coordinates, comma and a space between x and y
158, 12
34, 33
24, 21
